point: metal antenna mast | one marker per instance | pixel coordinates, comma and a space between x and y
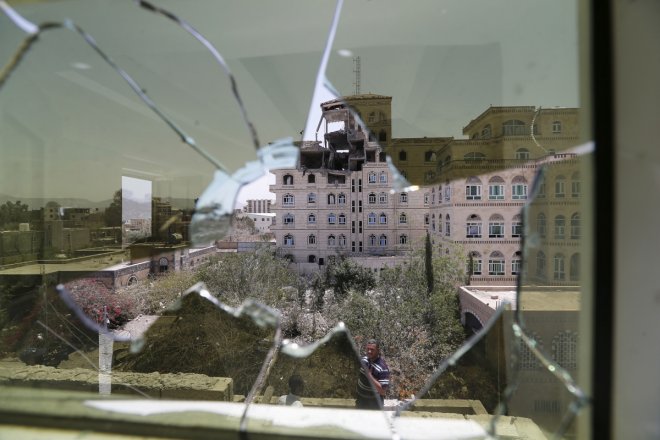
358, 73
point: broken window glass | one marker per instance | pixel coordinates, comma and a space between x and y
97, 112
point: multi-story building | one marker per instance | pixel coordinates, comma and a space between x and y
338, 200
482, 183
258, 206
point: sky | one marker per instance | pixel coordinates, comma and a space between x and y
71, 127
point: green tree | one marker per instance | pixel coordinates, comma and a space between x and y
11, 214
428, 263
344, 274
112, 214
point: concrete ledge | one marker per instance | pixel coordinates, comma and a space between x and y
160, 386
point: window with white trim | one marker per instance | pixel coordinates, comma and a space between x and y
556, 127
559, 187
522, 154
496, 226
341, 199
403, 219
371, 218
311, 198
288, 200
311, 239
382, 218
382, 198
403, 239
575, 185
382, 240
288, 219
474, 263
311, 219
541, 224
575, 226
560, 227
473, 227
372, 240
332, 199
287, 179
427, 197
473, 189
514, 127
372, 198
331, 240
383, 177
516, 263
288, 240
372, 177
403, 198
496, 188
496, 263
342, 240
332, 218
516, 226
342, 219
559, 273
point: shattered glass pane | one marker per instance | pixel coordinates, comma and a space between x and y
396, 145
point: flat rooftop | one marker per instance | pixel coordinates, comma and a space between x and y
531, 298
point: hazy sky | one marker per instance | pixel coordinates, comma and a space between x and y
72, 128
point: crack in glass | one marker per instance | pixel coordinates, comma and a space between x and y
282, 368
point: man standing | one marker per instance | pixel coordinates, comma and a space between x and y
374, 375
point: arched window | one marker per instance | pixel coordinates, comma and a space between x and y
383, 177
372, 198
163, 264
331, 199
372, 117
519, 188
288, 240
574, 270
382, 198
516, 226
332, 218
382, 219
496, 263
403, 198
133, 279
382, 240
473, 188
430, 156
311, 178
474, 156
486, 132
575, 184
522, 153
516, 262
311, 198
514, 127
560, 187
473, 226
496, 226
311, 259
288, 200
556, 127
474, 263
372, 177
559, 270
288, 219
560, 227
541, 224
426, 219
447, 225
540, 265
287, 179
371, 218
341, 199
496, 188
342, 219
564, 349
575, 226
311, 239
311, 219
342, 240
331, 240
403, 156
403, 239
372, 240
403, 219
382, 136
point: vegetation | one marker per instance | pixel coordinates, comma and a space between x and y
11, 214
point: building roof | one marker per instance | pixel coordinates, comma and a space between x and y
531, 299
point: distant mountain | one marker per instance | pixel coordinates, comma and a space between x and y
65, 202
